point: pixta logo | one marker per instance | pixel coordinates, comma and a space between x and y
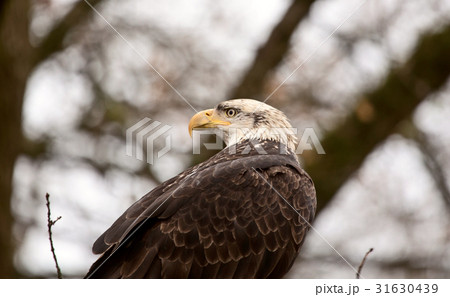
306, 141
143, 137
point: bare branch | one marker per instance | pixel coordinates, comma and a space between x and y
50, 223
358, 274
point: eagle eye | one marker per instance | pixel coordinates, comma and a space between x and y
230, 112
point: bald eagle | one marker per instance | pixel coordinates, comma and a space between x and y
243, 213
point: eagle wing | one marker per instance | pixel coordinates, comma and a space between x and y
229, 218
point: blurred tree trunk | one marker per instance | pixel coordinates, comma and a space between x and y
17, 60
378, 114
15, 66
269, 55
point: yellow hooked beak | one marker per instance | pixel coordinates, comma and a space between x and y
206, 119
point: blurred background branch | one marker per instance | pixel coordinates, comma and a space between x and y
435, 167
55, 39
378, 114
272, 52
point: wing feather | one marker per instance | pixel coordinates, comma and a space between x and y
218, 219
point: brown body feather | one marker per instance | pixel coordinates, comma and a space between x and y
223, 218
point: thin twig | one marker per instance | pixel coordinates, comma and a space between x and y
358, 274
50, 223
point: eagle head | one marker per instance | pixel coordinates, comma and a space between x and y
246, 119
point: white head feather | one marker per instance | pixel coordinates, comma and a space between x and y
252, 119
